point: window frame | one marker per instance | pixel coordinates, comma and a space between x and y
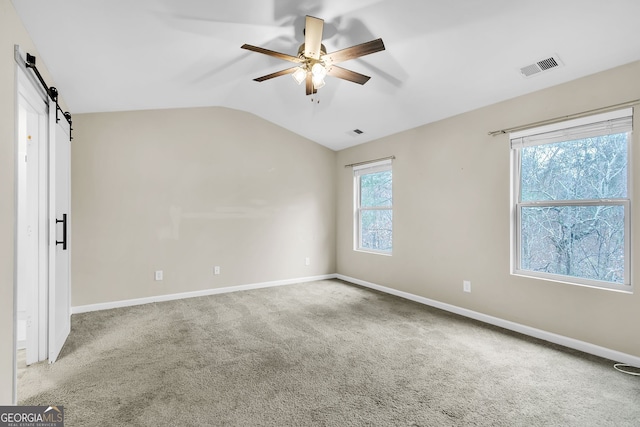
358, 172
517, 204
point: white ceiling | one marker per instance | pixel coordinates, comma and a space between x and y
442, 57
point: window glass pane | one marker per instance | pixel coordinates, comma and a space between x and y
375, 189
589, 168
578, 241
376, 229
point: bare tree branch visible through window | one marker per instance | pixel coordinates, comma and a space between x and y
579, 240
376, 214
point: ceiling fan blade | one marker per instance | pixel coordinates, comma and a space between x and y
271, 53
349, 75
313, 37
353, 52
276, 74
309, 85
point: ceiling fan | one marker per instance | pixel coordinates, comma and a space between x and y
313, 61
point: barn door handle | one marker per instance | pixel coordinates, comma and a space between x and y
64, 232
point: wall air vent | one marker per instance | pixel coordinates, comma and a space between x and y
358, 131
539, 66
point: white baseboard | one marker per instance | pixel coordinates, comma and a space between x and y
205, 292
526, 330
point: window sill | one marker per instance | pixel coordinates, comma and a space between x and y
551, 278
374, 252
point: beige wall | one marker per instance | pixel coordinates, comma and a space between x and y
451, 217
184, 190
12, 32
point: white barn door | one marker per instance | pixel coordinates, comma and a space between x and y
60, 231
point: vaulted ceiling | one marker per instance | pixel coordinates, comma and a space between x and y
442, 57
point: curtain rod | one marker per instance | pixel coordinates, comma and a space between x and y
563, 118
370, 161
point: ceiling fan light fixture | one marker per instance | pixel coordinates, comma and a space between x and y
318, 82
318, 71
299, 75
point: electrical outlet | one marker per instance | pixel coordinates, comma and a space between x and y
216, 269
159, 275
307, 261
466, 286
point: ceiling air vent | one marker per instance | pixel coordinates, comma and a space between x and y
354, 133
540, 66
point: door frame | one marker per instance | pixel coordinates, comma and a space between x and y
31, 204
29, 88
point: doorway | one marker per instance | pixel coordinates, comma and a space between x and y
31, 232
42, 305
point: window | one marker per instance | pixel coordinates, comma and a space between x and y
373, 207
571, 201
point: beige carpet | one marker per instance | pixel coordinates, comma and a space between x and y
319, 354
